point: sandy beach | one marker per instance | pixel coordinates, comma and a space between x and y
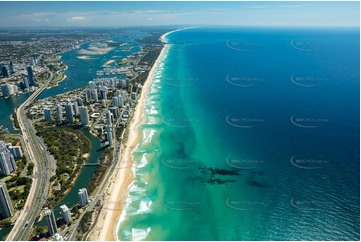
106, 64
117, 190
105, 229
85, 57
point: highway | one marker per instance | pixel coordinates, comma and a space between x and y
43, 169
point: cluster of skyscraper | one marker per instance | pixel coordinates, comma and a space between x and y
65, 212
9, 89
7, 71
97, 92
8, 154
71, 111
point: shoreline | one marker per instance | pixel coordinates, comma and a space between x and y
121, 180
123, 177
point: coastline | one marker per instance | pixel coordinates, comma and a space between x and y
123, 177
64, 77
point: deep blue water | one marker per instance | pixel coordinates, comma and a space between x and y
276, 108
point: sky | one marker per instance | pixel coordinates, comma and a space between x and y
118, 14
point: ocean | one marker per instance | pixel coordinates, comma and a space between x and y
249, 134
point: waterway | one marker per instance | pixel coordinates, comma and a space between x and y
80, 71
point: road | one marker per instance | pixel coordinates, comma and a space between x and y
43, 169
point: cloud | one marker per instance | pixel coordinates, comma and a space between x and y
36, 15
76, 19
293, 6
215, 9
257, 6
149, 11
41, 20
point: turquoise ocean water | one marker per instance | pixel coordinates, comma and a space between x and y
249, 134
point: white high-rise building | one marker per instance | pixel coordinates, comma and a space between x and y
109, 117
69, 112
121, 101
76, 108
103, 93
95, 96
114, 111
8, 89
6, 206
83, 197
85, 97
104, 103
50, 221
26, 82
79, 101
115, 102
109, 135
93, 86
7, 161
84, 116
16, 151
59, 114
65, 213
47, 114
124, 95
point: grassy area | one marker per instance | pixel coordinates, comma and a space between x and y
18, 188
99, 174
84, 225
41, 77
15, 120
120, 63
149, 59
58, 77
68, 160
5, 179
39, 230
10, 139
5, 221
